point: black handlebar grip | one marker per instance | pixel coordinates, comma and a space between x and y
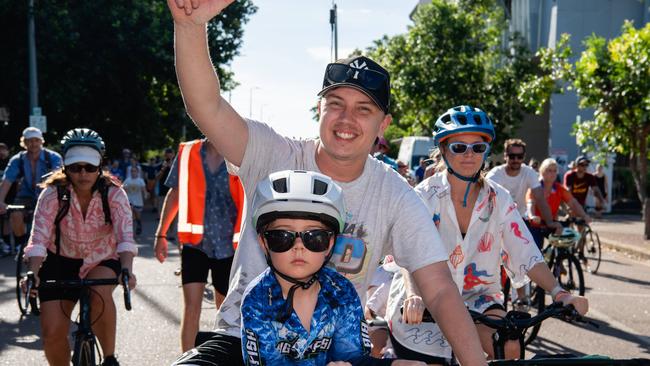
125, 285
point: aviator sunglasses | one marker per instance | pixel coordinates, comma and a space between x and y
280, 241
76, 168
458, 148
340, 73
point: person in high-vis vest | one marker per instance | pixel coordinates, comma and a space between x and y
209, 203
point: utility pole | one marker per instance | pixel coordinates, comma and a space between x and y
31, 39
335, 32
36, 119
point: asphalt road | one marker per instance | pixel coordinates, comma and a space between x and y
149, 334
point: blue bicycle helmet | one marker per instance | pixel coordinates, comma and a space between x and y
463, 119
82, 137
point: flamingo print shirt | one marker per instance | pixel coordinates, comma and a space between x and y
86, 238
496, 234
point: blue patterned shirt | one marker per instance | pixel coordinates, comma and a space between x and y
338, 329
220, 210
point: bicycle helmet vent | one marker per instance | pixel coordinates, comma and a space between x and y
298, 194
463, 119
83, 137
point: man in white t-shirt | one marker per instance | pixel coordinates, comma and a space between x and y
384, 215
518, 178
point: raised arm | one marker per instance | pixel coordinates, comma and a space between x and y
198, 80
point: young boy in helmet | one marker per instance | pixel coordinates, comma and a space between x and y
299, 309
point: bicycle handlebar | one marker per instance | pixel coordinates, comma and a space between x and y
518, 320
88, 282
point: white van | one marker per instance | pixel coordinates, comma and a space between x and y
412, 148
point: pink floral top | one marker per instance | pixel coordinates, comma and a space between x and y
86, 238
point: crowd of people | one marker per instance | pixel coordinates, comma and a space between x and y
296, 251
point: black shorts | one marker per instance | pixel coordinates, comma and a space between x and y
195, 265
220, 350
67, 268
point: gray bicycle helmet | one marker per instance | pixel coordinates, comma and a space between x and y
83, 137
298, 194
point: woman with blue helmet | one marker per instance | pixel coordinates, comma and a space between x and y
481, 230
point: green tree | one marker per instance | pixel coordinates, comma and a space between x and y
613, 78
455, 53
107, 65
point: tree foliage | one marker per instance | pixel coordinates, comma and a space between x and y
107, 65
455, 53
613, 78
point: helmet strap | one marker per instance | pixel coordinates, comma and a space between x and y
284, 316
469, 180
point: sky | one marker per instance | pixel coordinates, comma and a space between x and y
287, 45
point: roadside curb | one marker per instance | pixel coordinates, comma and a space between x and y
625, 248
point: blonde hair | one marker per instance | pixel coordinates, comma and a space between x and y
547, 163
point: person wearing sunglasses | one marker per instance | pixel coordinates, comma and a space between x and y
299, 309
478, 221
578, 181
385, 216
94, 240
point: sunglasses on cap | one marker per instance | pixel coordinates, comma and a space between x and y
341, 73
458, 148
76, 168
516, 156
280, 241
583, 164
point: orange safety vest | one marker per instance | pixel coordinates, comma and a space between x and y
191, 207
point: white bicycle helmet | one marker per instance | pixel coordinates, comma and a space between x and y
567, 239
298, 194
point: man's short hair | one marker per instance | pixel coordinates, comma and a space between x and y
514, 142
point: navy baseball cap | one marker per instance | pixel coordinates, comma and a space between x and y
363, 74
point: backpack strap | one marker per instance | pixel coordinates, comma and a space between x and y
103, 187
63, 196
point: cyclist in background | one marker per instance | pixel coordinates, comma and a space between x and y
477, 220
95, 241
579, 181
26, 168
555, 194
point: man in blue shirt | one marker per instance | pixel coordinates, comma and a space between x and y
27, 168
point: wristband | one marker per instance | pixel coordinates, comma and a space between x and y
557, 290
161, 236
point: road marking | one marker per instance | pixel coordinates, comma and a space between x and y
593, 313
606, 293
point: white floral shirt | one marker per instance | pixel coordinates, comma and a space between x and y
496, 235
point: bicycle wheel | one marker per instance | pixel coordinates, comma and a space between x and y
21, 271
568, 271
84, 351
592, 251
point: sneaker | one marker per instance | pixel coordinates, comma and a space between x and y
110, 361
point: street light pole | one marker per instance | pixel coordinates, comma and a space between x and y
335, 32
31, 38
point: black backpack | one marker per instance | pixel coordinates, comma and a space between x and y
63, 196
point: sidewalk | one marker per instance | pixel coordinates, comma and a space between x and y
623, 233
